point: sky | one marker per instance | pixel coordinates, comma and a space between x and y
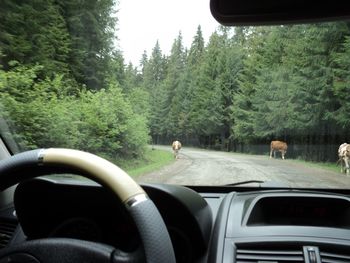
143, 22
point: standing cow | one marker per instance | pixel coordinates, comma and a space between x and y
278, 146
176, 148
344, 157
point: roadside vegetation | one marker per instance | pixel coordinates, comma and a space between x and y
153, 161
64, 83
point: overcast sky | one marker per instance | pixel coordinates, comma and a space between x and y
143, 22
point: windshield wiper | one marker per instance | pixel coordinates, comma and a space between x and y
265, 184
246, 182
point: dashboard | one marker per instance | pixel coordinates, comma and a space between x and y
205, 225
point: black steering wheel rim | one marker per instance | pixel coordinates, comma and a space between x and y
153, 232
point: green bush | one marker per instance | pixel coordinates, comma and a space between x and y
44, 113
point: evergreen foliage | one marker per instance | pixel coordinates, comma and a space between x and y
63, 83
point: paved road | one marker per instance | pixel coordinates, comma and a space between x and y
202, 167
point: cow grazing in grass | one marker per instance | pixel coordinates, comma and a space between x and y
176, 148
344, 157
278, 146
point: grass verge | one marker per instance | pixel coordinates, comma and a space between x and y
154, 160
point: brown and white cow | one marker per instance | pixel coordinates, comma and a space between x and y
176, 148
278, 146
344, 157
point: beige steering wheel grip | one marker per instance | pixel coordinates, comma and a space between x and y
153, 232
97, 169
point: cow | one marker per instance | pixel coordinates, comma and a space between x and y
176, 147
278, 146
344, 157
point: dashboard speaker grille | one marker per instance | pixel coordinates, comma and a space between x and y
268, 256
7, 228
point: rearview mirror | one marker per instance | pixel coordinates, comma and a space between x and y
269, 12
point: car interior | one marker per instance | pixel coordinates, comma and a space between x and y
111, 218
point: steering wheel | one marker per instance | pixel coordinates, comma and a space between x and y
151, 227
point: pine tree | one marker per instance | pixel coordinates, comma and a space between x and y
34, 32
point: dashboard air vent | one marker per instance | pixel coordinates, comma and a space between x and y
268, 256
7, 228
327, 257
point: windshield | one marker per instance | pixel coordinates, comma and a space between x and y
165, 92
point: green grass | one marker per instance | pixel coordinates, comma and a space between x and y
328, 166
154, 160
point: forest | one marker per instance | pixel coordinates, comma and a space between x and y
64, 83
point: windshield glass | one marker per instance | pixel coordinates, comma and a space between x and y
165, 92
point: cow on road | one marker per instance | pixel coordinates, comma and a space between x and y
176, 148
278, 146
344, 157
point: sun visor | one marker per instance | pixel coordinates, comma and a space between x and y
277, 12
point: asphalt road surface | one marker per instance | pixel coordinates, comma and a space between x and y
203, 167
